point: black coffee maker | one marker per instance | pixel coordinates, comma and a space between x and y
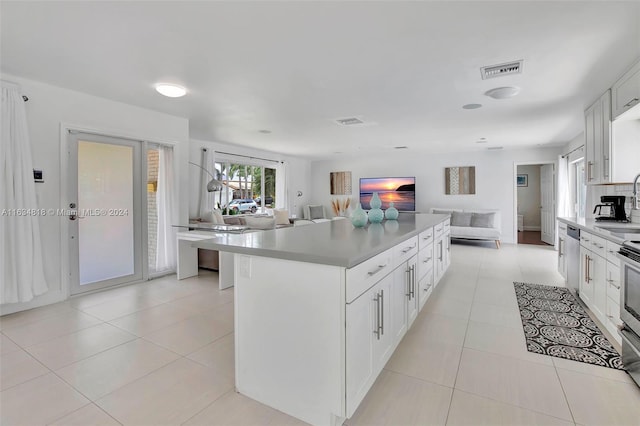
615, 206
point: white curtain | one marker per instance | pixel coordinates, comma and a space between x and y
21, 262
563, 187
166, 242
282, 187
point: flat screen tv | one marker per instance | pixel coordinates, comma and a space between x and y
401, 191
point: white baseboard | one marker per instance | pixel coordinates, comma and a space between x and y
532, 228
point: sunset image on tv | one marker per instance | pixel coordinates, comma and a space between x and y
401, 191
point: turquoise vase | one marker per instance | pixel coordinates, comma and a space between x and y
391, 213
376, 215
359, 217
375, 202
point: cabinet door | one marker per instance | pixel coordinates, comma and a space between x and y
425, 288
362, 322
589, 142
613, 282
598, 280
562, 268
399, 295
368, 340
626, 91
438, 264
447, 253
605, 136
586, 286
413, 291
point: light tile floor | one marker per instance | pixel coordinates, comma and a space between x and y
162, 353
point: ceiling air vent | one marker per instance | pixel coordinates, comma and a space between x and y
349, 121
494, 71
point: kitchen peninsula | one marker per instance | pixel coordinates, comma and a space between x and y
320, 309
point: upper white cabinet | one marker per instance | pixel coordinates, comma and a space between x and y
597, 133
626, 91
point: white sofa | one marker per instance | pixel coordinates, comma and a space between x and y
474, 224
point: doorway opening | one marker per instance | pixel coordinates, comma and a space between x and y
535, 203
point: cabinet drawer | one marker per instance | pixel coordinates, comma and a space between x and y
613, 281
612, 249
361, 277
585, 240
425, 286
403, 251
562, 227
598, 246
425, 239
425, 261
438, 229
613, 312
447, 225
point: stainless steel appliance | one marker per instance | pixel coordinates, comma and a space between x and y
572, 257
629, 254
614, 208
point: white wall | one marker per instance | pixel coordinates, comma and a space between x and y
298, 173
47, 108
495, 180
529, 197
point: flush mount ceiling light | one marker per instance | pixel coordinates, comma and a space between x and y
503, 92
171, 90
265, 131
471, 106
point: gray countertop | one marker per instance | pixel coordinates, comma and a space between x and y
336, 242
623, 231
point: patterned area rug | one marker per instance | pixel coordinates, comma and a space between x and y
556, 325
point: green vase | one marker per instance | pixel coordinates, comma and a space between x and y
376, 215
391, 213
375, 202
359, 217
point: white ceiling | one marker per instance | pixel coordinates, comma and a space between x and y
406, 68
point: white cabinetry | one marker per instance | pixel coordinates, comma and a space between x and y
598, 140
370, 339
599, 280
562, 249
626, 91
442, 251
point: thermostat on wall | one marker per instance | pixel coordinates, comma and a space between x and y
38, 176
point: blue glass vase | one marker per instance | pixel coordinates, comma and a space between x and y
376, 215
375, 202
391, 213
359, 217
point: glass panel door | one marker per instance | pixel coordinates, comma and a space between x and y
105, 230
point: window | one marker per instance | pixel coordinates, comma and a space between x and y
578, 188
247, 182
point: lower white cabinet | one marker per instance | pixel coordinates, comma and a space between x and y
442, 254
370, 339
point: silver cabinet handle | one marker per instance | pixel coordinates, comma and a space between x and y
609, 316
381, 328
407, 249
428, 237
589, 165
378, 269
413, 281
632, 101
376, 329
426, 260
407, 278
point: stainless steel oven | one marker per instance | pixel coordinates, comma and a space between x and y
629, 254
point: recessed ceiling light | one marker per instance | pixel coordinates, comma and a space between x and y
482, 140
471, 106
494, 148
502, 92
400, 147
171, 90
265, 131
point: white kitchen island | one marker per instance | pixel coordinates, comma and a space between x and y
320, 309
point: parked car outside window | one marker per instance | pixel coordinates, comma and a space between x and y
243, 205
268, 200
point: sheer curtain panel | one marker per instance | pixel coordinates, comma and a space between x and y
21, 263
166, 243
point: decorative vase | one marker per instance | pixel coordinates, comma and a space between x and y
375, 202
376, 215
359, 217
391, 213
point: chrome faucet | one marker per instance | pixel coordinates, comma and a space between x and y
635, 192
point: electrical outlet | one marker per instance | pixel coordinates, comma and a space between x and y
244, 266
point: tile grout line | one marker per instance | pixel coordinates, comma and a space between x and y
453, 391
566, 400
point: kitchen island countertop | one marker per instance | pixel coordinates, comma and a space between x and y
335, 242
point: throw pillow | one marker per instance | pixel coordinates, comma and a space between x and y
232, 220
437, 211
282, 217
482, 220
316, 212
260, 222
461, 219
